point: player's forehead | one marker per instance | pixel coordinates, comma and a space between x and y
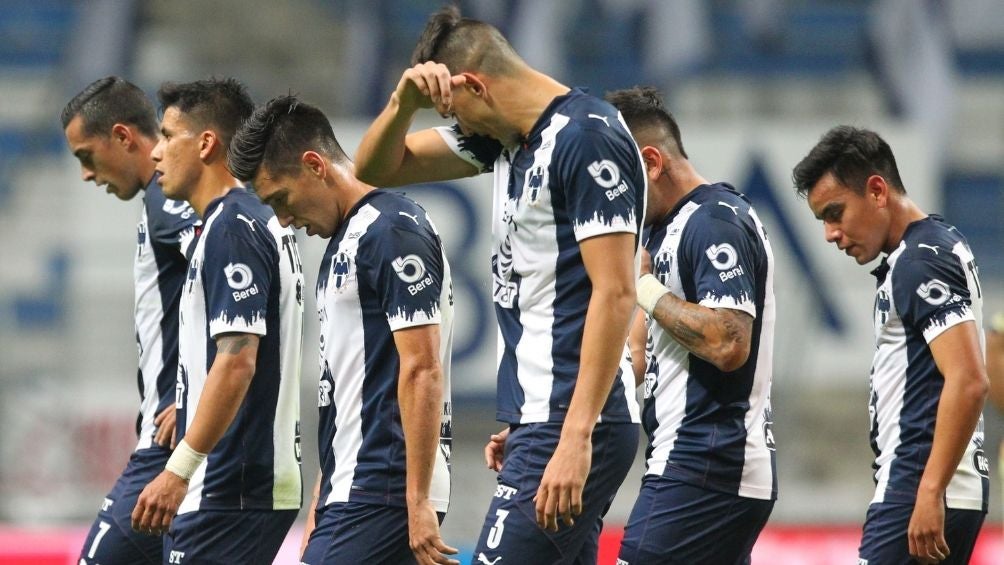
76, 134
827, 193
174, 120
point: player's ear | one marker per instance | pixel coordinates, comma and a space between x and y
208, 141
314, 163
877, 190
122, 135
654, 162
474, 84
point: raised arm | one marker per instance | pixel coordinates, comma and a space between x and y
609, 263
226, 385
420, 395
957, 354
720, 336
389, 156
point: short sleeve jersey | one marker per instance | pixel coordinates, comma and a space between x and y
383, 271
578, 174
245, 277
927, 285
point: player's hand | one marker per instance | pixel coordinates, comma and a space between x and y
495, 450
166, 429
424, 538
646, 262
926, 532
427, 85
158, 503
560, 492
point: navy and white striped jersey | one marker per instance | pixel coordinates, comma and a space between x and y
164, 239
383, 271
245, 277
706, 427
577, 175
929, 284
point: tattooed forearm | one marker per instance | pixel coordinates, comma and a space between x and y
233, 345
719, 336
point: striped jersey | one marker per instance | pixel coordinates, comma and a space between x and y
383, 271
927, 285
245, 277
706, 427
578, 174
164, 239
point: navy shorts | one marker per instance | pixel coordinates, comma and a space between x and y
675, 522
357, 532
112, 540
225, 537
884, 539
510, 533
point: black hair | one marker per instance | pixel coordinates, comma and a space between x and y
220, 104
109, 101
464, 44
852, 155
277, 134
643, 109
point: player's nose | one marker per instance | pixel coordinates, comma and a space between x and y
87, 174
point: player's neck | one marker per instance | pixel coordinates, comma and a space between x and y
147, 166
670, 188
348, 189
523, 99
903, 212
215, 182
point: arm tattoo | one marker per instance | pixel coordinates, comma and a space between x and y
233, 344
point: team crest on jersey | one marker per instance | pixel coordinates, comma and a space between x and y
536, 178
662, 265
882, 306
193, 273
341, 264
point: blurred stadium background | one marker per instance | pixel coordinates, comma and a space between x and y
753, 83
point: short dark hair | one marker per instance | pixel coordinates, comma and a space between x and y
277, 134
222, 104
464, 44
852, 155
643, 109
109, 101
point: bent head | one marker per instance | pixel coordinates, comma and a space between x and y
849, 179
655, 131
478, 52
289, 153
199, 120
106, 125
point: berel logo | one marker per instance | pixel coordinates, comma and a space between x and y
409, 268
723, 256
934, 292
238, 275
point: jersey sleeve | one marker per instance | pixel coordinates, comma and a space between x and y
723, 255
173, 224
602, 181
478, 150
405, 268
931, 291
237, 274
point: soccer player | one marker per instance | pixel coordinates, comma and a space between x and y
710, 484
111, 127
569, 201
234, 478
385, 303
928, 380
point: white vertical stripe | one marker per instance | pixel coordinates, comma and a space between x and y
286, 481
148, 313
757, 478
343, 334
674, 365
439, 490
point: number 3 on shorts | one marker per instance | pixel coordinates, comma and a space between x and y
495, 534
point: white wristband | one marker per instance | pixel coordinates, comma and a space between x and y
184, 461
649, 291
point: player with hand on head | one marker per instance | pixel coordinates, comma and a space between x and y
385, 302
234, 479
568, 203
111, 127
928, 378
710, 481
